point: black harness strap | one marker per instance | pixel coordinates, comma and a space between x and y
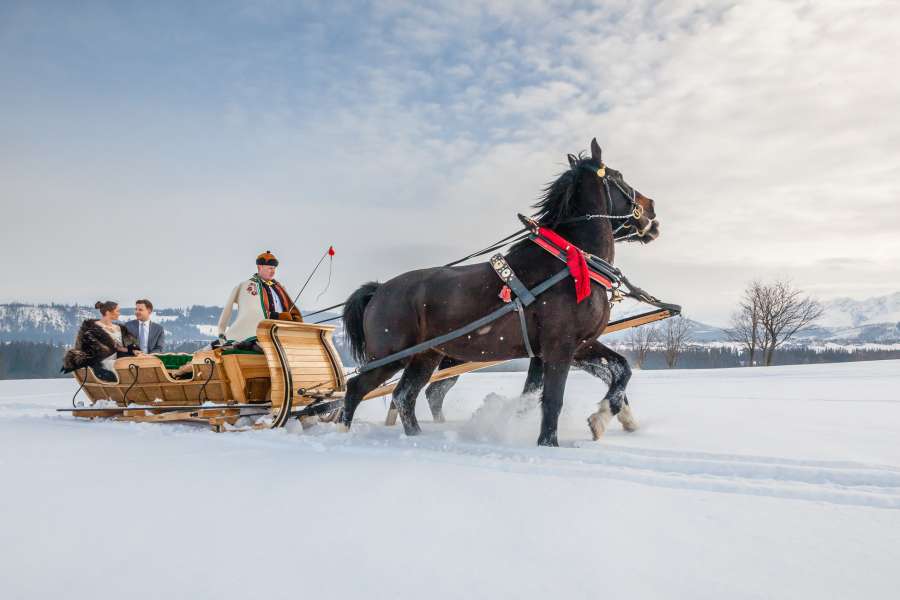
509, 277
457, 333
523, 296
524, 325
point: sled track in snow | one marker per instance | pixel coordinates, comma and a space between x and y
838, 482
835, 482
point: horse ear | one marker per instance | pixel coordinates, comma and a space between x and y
595, 151
572, 160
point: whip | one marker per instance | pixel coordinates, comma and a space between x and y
330, 254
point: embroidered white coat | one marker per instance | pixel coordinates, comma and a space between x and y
250, 311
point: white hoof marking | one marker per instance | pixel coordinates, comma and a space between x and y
599, 420
626, 418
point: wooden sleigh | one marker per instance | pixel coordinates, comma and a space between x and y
299, 375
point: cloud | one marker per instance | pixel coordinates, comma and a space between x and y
764, 130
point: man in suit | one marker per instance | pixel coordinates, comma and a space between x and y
150, 335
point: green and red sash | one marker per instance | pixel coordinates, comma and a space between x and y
266, 289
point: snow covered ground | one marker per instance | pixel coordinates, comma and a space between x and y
746, 483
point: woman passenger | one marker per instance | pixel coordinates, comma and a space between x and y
100, 342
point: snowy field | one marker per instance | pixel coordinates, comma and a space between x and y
741, 483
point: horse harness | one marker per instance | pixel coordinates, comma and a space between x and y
515, 292
597, 269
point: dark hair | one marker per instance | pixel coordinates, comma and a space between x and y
105, 306
146, 303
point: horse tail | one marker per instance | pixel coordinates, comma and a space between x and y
354, 310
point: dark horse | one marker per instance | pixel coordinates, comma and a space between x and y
382, 319
616, 372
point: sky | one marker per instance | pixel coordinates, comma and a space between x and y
153, 149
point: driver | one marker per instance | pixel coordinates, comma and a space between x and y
260, 297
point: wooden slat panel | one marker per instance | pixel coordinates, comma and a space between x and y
255, 372
310, 350
313, 352
308, 353
298, 337
308, 382
304, 376
319, 369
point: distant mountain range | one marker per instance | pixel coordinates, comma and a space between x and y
186, 328
846, 321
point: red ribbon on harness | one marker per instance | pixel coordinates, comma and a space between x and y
575, 260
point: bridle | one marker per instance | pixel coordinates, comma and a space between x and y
636, 210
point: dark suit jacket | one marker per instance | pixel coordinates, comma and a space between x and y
155, 338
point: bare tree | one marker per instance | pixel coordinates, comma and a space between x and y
784, 312
745, 327
676, 333
641, 340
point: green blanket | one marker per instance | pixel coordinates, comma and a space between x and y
174, 361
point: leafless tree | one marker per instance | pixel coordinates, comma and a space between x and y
784, 311
676, 333
641, 340
769, 315
745, 327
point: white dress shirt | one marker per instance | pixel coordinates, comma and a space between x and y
144, 335
276, 302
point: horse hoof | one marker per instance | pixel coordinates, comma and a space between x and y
629, 423
411, 431
439, 418
597, 422
549, 442
630, 426
343, 427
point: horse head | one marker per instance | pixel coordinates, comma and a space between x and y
640, 224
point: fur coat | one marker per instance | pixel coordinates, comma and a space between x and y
93, 344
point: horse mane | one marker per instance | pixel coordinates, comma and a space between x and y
556, 201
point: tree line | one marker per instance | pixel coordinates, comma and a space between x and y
702, 357
768, 316
30, 360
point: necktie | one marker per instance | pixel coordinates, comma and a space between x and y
142, 340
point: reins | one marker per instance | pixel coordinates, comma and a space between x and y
636, 212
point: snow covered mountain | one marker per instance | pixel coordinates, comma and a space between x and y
846, 321
186, 327
846, 313
58, 323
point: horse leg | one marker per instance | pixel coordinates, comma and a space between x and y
610, 366
535, 379
414, 378
555, 374
362, 384
390, 419
436, 392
